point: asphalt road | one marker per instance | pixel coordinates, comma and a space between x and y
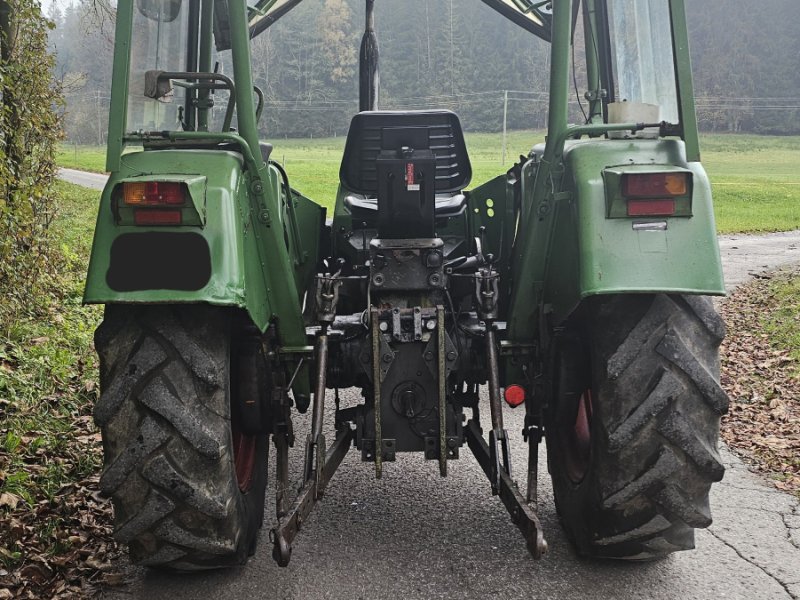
415, 535
94, 181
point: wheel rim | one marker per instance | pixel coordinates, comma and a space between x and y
575, 400
579, 439
244, 459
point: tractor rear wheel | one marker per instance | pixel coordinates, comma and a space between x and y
187, 482
633, 423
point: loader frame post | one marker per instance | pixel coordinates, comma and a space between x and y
118, 113
683, 78
537, 217
204, 65
277, 266
596, 92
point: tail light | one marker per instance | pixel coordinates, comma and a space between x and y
144, 216
655, 185
651, 208
153, 193
158, 203
653, 194
514, 395
648, 191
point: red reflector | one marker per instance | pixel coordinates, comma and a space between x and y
655, 185
651, 208
514, 395
157, 217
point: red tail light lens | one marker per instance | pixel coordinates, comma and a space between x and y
145, 216
514, 395
655, 185
153, 193
651, 208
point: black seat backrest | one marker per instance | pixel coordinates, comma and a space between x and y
374, 132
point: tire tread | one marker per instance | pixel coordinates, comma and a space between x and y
166, 432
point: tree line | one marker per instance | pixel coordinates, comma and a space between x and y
451, 54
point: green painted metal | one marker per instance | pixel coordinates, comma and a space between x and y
535, 234
204, 65
683, 77
236, 279
117, 116
249, 215
567, 248
273, 253
601, 255
491, 207
592, 62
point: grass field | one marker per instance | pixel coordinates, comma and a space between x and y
50, 453
756, 179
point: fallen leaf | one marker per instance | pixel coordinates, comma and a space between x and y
10, 500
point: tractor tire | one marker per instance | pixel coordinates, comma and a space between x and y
633, 423
187, 484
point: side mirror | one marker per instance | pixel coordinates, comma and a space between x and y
164, 11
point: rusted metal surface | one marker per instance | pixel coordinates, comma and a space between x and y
315, 445
284, 533
521, 514
376, 387
442, 381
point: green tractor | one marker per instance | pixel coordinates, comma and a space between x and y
575, 285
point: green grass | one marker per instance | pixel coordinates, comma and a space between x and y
755, 179
83, 158
48, 373
783, 323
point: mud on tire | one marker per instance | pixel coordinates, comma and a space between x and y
165, 416
633, 424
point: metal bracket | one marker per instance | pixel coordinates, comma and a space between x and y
521, 514
290, 522
377, 377
283, 438
441, 336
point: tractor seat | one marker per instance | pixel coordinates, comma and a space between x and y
376, 132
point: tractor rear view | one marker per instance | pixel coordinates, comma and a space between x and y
572, 287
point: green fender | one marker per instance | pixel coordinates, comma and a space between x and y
220, 212
595, 251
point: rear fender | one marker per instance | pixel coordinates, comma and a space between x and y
210, 259
594, 253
